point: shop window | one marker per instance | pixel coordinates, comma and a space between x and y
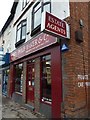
46, 79
5, 81
21, 33
39, 7
19, 78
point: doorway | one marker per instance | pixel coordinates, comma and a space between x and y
30, 82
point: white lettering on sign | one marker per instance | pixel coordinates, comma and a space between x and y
37, 43
53, 25
83, 81
83, 77
83, 84
56, 22
56, 28
80, 84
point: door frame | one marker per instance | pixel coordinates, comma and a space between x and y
27, 65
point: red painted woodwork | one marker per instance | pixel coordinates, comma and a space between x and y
53, 25
30, 83
56, 82
11, 80
37, 43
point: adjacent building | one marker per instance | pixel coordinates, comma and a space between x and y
6, 42
50, 74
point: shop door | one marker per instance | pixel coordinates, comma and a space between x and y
30, 81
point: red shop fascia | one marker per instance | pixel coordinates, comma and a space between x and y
40, 47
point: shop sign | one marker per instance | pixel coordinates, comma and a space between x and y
53, 25
37, 43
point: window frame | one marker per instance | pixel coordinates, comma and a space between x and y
41, 86
38, 27
24, 3
20, 87
22, 24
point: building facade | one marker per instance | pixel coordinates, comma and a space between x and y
6, 39
35, 63
48, 73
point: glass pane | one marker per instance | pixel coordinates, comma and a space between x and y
37, 18
23, 32
19, 78
37, 7
46, 79
28, 1
24, 3
5, 81
18, 34
46, 1
47, 7
23, 23
19, 26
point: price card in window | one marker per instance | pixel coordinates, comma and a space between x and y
29, 82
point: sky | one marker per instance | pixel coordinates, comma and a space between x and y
5, 8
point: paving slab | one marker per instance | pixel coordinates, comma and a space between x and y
11, 109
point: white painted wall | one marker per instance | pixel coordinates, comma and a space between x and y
59, 8
8, 39
0, 41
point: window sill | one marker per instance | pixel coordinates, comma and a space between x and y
46, 102
18, 93
36, 30
19, 43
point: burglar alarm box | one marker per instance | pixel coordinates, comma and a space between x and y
79, 36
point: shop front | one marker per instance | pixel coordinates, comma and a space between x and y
35, 75
5, 73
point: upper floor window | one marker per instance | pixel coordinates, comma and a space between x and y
38, 8
21, 32
24, 3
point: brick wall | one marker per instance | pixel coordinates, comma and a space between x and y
89, 58
37, 84
10, 88
75, 65
24, 82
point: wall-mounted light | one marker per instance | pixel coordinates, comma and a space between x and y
81, 23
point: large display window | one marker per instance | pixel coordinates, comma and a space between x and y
19, 78
5, 81
46, 79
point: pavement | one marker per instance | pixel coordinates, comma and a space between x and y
11, 109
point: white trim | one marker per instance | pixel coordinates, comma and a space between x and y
43, 17
18, 93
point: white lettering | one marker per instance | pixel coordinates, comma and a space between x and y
80, 84
39, 40
56, 21
56, 28
83, 77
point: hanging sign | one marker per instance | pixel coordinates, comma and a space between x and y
53, 25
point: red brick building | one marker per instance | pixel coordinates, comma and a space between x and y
67, 71
76, 64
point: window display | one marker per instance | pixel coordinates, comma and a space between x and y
46, 79
19, 78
